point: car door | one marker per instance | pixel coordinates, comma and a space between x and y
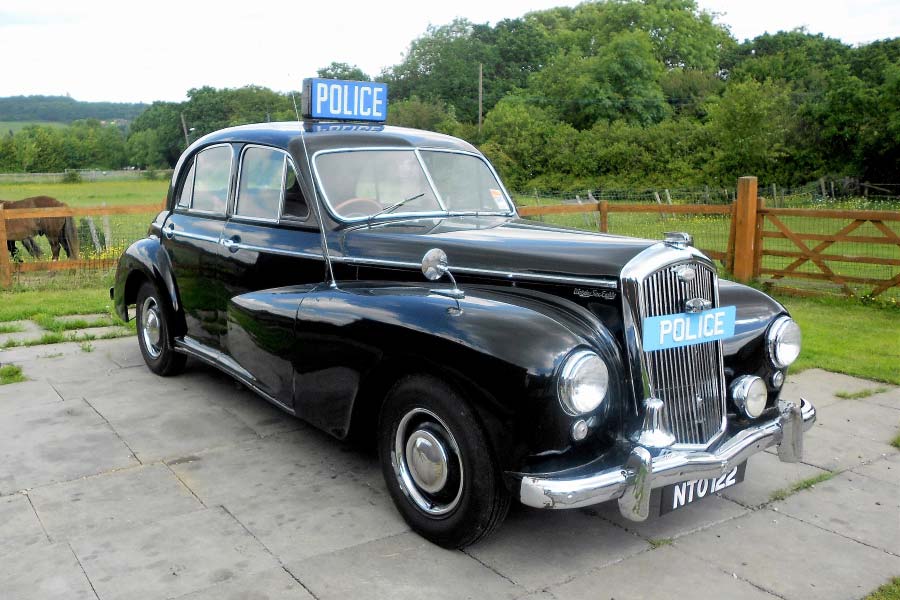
191, 237
269, 241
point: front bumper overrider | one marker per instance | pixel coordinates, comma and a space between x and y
632, 483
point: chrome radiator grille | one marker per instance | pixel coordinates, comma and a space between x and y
690, 379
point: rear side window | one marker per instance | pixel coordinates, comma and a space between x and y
295, 206
211, 179
262, 178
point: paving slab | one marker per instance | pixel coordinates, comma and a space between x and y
888, 399
27, 354
258, 468
125, 382
274, 584
95, 364
693, 517
820, 387
159, 426
536, 549
858, 507
400, 567
665, 573
869, 421
170, 557
295, 502
19, 525
57, 442
886, 468
790, 558
28, 330
833, 450
121, 499
99, 332
767, 474
17, 396
44, 572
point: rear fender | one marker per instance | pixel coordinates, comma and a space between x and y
145, 259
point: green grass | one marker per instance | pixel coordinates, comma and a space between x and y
805, 484
896, 442
11, 374
92, 193
52, 323
659, 542
87, 346
17, 126
861, 393
10, 328
848, 337
889, 591
45, 303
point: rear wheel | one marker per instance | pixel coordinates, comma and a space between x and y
154, 333
437, 464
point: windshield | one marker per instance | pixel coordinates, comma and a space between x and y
370, 184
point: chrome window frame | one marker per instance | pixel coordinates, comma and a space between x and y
406, 215
212, 213
233, 213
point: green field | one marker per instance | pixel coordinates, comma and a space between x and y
95, 193
16, 126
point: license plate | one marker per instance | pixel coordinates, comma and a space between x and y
687, 329
679, 495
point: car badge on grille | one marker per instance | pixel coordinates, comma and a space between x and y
695, 305
686, 273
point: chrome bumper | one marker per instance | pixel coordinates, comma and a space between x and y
632, 482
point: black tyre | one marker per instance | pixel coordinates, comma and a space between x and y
437, 464
155, 334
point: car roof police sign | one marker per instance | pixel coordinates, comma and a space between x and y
344, 100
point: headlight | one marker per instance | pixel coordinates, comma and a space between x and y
583, 383
750, 395
783, 342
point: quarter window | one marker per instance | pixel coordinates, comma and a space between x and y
262, 178
211, 180
295, 205
187, 188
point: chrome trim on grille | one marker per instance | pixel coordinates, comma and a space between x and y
650, 287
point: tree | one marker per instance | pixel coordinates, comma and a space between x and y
421, 114
749, 127
342, 70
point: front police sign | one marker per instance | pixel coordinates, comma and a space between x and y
687, 329
337, 100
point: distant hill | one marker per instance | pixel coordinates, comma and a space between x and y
62, 109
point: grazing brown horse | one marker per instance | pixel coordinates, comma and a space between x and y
60, 231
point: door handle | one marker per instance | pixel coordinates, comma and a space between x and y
169, 231
233, 244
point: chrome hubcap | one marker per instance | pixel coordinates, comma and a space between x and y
427, 463
150, 327
427, 460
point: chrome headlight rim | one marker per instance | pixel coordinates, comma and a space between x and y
746, 391
774, 339
567, 382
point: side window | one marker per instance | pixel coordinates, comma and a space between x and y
259, 193
213, 173
187, 189
295, 206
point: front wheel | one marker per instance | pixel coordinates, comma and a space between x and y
155, 334
438, 465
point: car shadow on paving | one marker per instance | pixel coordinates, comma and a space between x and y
115, 483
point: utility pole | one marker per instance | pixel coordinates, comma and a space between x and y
187, 142
480, 93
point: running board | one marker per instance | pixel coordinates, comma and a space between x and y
227, 365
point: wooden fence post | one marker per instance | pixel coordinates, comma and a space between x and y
745, 229
5, 258
604, 216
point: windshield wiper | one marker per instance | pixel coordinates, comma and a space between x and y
392, 207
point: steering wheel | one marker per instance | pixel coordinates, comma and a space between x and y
363, 203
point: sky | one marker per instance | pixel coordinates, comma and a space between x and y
120, 51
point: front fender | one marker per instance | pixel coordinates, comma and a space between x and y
507, 343
148, 258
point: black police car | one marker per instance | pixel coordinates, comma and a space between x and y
377, 280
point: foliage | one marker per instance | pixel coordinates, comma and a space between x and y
890, 590
11, 374
63, 109
342, 70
